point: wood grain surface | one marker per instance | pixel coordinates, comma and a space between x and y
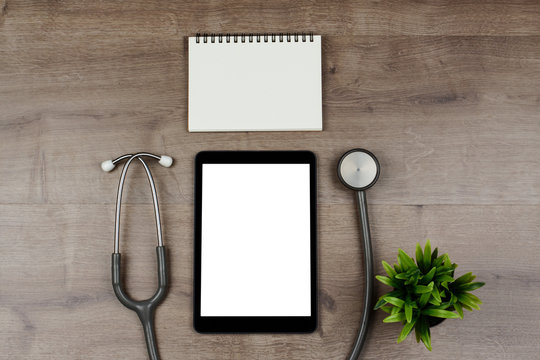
445, 93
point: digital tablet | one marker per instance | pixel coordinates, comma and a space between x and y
255, 242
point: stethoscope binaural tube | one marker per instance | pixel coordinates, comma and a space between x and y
145, 309
359, 169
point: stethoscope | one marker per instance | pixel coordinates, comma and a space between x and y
145, 309
358, 169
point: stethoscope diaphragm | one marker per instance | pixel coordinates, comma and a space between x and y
358, 169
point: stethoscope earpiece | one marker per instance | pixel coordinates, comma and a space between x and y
165, 161
109, 165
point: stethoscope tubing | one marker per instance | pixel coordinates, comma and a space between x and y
368, 271
145, 309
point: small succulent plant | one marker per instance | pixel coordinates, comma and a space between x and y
425, 292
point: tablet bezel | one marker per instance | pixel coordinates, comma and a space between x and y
254, 324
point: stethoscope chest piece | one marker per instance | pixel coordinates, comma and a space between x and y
358, 169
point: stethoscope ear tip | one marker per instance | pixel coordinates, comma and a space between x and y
165, 161
107, 165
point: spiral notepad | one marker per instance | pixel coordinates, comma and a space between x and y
255, 82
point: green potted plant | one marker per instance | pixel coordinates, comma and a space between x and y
425, 292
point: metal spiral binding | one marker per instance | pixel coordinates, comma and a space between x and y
281, 37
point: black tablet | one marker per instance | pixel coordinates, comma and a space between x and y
255, 242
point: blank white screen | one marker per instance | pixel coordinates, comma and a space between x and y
255, 240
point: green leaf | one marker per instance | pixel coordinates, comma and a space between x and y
425, 334
427, 339
427, 254
413, 280
429, 276
405, 260
444, 270
470, 286
387, 281
394, 301
395, 310
447, 261
434, 302
410, 277
405, 331
444, 284
408, 312
438, 261
434, 254
445, 278
436, 295
424, 299
398, 268
469, 300
417, 333
466, 307
394, 293
395, 318
402, 276
459, 310
380, 304
463, 279
473, 297
440, 313
442, 306
419, 256
387, 309
420, 289
388, 269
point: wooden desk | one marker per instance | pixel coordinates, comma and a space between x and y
445, 93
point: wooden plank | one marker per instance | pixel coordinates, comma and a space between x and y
57, 302
402, 17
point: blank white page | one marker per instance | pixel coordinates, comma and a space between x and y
255, 86
255, 240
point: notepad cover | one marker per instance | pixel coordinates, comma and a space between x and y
255, 86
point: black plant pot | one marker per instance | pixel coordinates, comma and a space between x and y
434, 321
